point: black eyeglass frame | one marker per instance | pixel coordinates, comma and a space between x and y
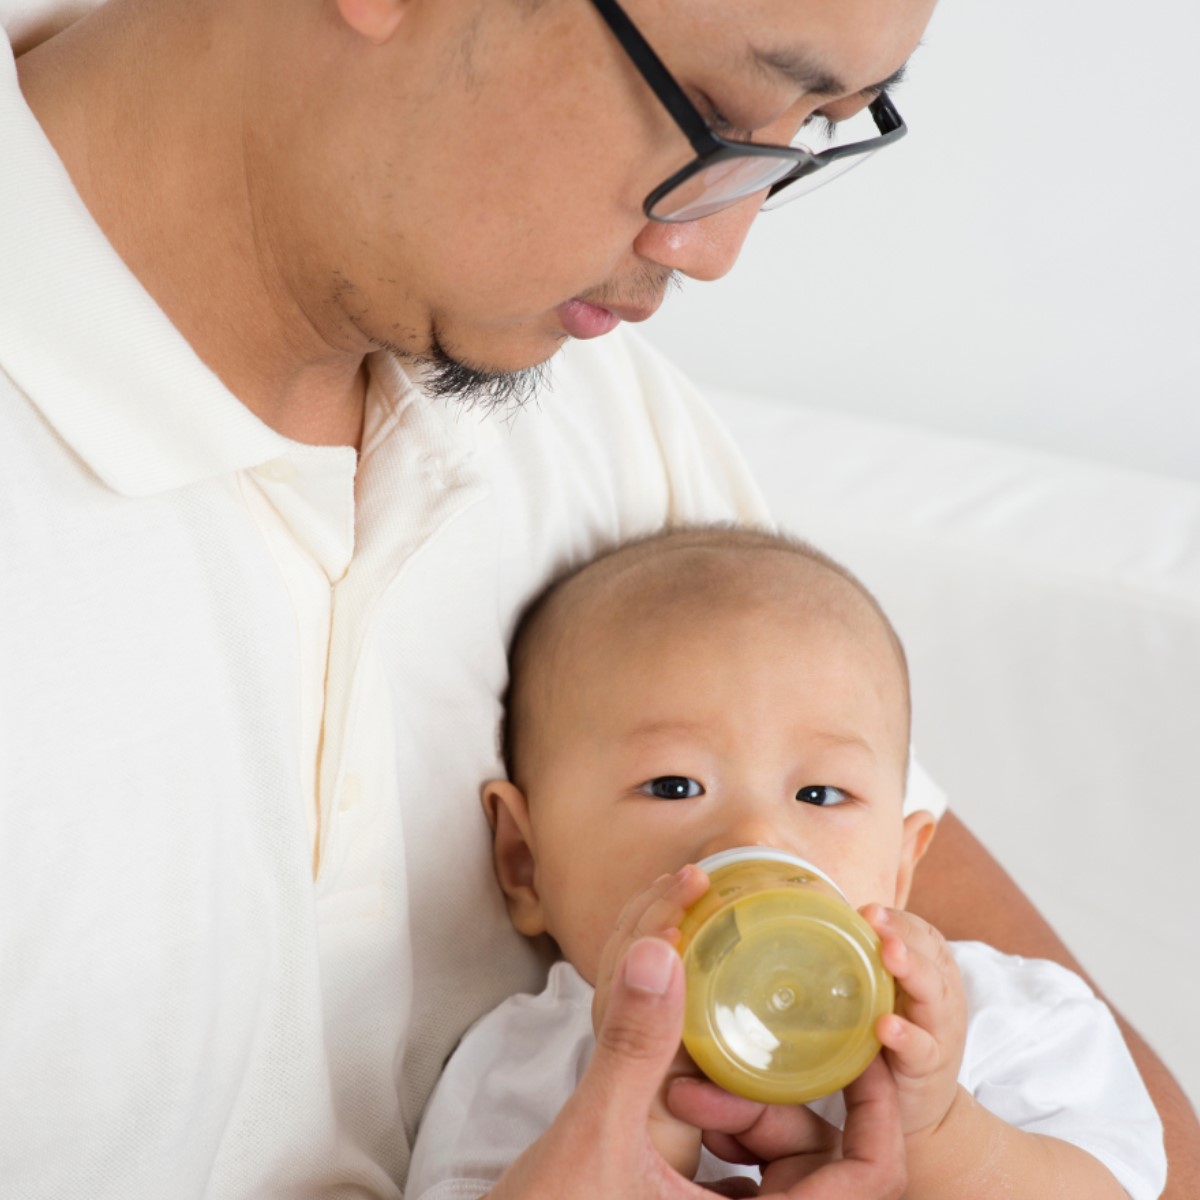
710, 147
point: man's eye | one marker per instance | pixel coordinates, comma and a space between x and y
672, 787
720, 124
822, 126
822, 794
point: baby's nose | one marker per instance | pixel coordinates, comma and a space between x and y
748, 830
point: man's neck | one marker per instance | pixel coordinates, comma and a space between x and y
148, 110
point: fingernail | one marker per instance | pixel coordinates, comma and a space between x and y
648, 966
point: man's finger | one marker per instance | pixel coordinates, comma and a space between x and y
737, 1186
639, 1036
873, 1132
871, 1164
764, 1131
599, 1145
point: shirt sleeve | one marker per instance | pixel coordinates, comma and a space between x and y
1045, 1054
921, 794
501, 1089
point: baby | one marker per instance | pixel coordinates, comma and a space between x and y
709, 688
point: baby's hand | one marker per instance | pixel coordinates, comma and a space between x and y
656, 912
923, 1039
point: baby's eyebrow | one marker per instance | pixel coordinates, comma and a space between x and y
803, 69
675, 727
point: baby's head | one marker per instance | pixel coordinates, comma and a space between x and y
687, 693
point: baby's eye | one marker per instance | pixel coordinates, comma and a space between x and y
672, 787
822, 794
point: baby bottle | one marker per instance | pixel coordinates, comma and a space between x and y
784, 979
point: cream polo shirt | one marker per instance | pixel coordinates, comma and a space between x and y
248, 692
247, 697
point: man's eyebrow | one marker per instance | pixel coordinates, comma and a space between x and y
803, 70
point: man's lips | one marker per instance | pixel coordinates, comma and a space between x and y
583, 320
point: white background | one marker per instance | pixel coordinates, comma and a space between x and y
1024, 268
1025, 265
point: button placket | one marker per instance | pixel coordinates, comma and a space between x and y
278, 470
351, 792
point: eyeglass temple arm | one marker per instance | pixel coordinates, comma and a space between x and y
669, 93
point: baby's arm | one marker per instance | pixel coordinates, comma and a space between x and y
955, 1147
974, 1155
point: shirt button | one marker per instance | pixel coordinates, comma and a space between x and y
280, 470
351, 791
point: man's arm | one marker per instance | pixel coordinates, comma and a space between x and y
964, 892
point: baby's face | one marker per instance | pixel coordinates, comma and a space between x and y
670, 730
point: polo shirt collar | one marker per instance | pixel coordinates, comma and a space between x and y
82, 338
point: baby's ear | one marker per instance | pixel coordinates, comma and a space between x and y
919, 828
512, 851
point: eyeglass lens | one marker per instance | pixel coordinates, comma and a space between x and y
731, 179
718, 185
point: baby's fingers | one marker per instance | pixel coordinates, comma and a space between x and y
659, 908
926, 1034
655, 912
917, 955
914, 1052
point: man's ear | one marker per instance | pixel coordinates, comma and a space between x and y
919, 828
376, 20
512, 850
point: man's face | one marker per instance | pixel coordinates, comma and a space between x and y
666, 732
477, 181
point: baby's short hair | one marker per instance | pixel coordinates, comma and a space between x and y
538, 614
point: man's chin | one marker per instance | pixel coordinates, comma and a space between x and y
452, 375
475, 387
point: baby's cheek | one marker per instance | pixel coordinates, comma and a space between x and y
875, 887
584, 935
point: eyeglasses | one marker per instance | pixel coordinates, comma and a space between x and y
725, 171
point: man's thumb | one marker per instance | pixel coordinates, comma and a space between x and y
643, 1021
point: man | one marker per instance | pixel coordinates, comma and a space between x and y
260, 572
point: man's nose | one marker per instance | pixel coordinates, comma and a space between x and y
704, 249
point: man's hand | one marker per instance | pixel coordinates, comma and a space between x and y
599, 1147
657, 912
802, 1155
923, 1039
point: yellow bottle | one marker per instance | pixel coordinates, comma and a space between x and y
784, 979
